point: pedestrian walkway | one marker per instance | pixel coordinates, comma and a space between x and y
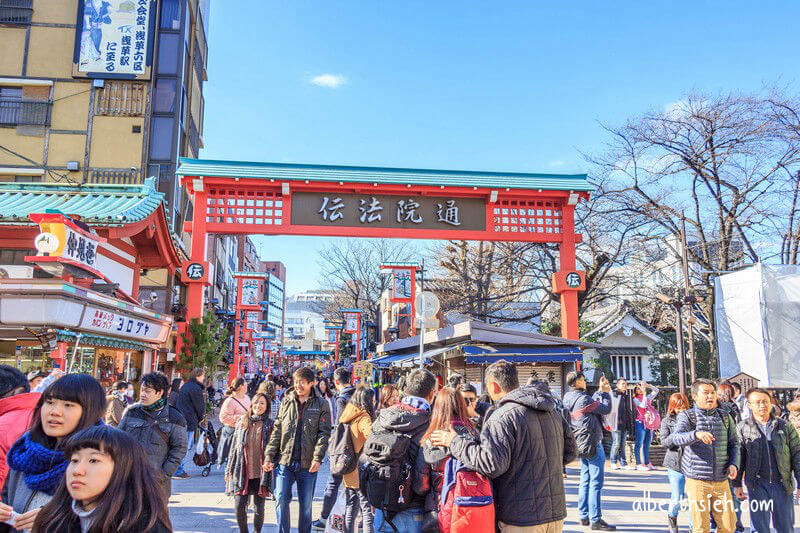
199, 504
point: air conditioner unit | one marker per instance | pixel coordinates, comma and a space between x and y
16, 272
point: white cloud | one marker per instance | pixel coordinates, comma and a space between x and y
556, 163
331, 81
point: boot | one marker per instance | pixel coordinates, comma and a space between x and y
673, 524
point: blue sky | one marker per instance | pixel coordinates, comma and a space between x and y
517, 86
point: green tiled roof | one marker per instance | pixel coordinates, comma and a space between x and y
101, 204
101, 340
402, 176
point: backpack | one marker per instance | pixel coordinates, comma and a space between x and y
652, 420
343, 456
467, 503
692, 414
386, 470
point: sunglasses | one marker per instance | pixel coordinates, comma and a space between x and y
469, 400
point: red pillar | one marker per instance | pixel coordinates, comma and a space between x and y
569, 296
195, 289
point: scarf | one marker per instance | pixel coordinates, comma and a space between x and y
42, 467
258, 418
417, 403
155, 406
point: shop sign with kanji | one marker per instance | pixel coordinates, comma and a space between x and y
61, 240
388, 211
120, 324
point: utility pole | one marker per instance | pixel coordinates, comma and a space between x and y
677, 304
687, 289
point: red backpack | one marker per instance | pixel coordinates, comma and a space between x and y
467, 504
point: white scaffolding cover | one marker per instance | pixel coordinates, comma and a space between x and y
757, 314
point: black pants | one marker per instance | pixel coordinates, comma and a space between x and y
355, 502
241, 507
331, 491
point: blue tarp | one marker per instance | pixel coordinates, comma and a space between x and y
513, 354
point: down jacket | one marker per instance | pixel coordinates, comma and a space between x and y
672, 457
314, 437
587, 414
706, 462
523, 448
785, 447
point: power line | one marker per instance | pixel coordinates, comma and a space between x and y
53, 174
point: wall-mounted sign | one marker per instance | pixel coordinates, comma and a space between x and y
121, 324
194, 271
385, 211
252, 320
573, 280
351, 322
250, 292
332, 336
401, 284
570, 280
114, 39
63, 241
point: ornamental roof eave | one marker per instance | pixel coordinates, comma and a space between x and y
383, 175
95, 204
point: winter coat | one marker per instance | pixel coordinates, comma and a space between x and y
236, 468
672, 457
233, 408
114, 409
785, 447
706, 462
165, 453
315, 435
405, 419
191, 404
341, 401
620, 418
523, 448
17, 494
15, 418
586, 413
172, 399
429, 469
360, 429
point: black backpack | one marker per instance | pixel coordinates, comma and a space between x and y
386, 470
343, 456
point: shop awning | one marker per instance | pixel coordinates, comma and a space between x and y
513, 354
100, 340
410, 359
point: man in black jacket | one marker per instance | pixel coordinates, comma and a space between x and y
193, 408
523, 448
161, 429
344, 391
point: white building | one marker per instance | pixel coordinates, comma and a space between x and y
305, 325
314, 296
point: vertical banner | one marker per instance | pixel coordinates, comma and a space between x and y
114, 39
401, 284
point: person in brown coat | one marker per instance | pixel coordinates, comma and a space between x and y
116, 404
359, 413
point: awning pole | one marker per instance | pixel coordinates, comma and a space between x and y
74, 350
422, 313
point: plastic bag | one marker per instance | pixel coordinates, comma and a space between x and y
335, 522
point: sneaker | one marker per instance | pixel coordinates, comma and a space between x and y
584, 521
614, 466
630, 467
318, 525
650, 466
601, 525
182, 475
642, 468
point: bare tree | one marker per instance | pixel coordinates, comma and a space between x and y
352, 268
719, 163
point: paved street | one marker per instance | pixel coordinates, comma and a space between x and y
198, 504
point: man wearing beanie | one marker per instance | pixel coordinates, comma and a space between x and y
16, 409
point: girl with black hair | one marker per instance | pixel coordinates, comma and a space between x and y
244, 476
233, 409
109, 485
37, 460
359, 414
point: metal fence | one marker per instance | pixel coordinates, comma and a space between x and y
15, 111
16, 11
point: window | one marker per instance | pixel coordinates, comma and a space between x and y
161, 133
164, 96
170, 15
16, 11
16, 110
168, 53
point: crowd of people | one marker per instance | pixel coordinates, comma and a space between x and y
413, 456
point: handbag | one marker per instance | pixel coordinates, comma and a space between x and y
201, 455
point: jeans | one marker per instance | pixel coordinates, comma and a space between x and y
618, 447
772, 499
677, 483
241, 507
331, 491
285, 477
643, 438
591, 484
355, 503
408, 521
224, 447
189, 452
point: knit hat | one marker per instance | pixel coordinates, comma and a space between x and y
10, 379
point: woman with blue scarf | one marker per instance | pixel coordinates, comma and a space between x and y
36, 460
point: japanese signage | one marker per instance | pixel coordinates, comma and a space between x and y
401, 283
573, 280
114, 39
63, 241
250, 292
332, 336
122, 325
385, 211
351, 321
252, 320
195, 271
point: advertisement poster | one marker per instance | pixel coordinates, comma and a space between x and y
114, 39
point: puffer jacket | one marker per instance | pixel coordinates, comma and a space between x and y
523, 448
429, 468
672, 457
15, 417
315, 435
164, 454
191, 404
785, 446
360, 428
236, 468
586, 413
707, 462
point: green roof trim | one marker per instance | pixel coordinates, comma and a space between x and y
394, 176
101, 340
94, 203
